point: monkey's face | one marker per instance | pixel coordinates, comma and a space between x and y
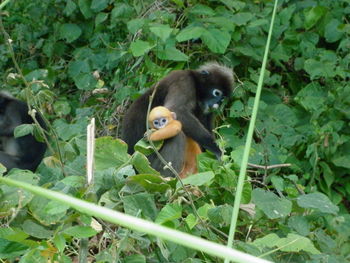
212, 91
160, 123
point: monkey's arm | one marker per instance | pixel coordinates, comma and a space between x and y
194, 129
171, 130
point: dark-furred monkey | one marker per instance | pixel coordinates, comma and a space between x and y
165, 126
190, 94
23, 152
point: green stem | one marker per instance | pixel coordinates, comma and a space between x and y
245, 158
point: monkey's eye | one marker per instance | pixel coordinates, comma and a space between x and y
205, 72
217, 93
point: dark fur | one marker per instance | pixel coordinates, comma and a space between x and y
23, 152
187, 93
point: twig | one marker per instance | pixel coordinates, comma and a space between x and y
267, 167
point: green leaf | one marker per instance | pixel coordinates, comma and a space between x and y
313, 15
100, 18
143, 202
332, 32
135, 24
85, 81
199, 9
141, 164
342, 161
84, 6
70, 8
137, 258
70, 32
242, 18
191, 221
221, 215
216, 40
60, 242
54, 207
171, 53
36, 230
190, 32
299, 224
161, 31
140, 48
23, 129
110, 152
205, 178
99, 5
312, 97
80, 231
317, 201
318, 69
151, 182
169, 213
272, 205
292, 243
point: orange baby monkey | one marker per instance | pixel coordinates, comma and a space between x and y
165, 126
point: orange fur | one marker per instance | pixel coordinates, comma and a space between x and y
173, 128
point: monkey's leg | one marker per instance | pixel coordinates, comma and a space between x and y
190, 164
8, 161
173, 151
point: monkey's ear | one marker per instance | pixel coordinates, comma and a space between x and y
173, 114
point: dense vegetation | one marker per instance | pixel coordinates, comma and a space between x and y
79, 59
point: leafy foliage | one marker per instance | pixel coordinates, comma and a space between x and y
86, 58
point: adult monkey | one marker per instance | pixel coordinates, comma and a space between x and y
190, 94
23, 152
165, 126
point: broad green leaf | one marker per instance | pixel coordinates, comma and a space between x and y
205, 178
169, 213
37, 207
171, 53
191, 221
313, 15
200, 9
84, 6
60, 242
203, 210
62, 107
332, 32
342, 161
272, 205
317, 201
190, 32
110, 152
80, 231
141, 164
221, 215
241, 18
144, 147
161, 31
10, 249
100, 18
99, 5
312, 97
300, 224
135, 24
318, 69
23, 130
216, 40
85, 81
70, 8
291, 243
151, 182
54, 207
36, 230
139, 48
143, 202
70, 32
77, 67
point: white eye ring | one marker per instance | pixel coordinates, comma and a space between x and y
217, 93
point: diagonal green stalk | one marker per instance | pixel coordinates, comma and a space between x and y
139, 224
248, 143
